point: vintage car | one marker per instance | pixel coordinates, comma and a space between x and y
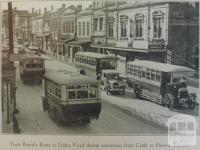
111, 82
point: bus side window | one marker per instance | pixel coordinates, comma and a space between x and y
148, 76
139, 72
82, 94
158, 76
153, 76
143, 73
72, 95
135, 71
92, 93
168, 78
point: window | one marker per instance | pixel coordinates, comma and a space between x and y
157, 27
83, 28
123, 29
143, 73
82, 94
139, 20
148, 75
88, 28
153, 75
158, 76
69, 27
95, 24
72, 95
53, 89
110, 29
139, 72
135, 71
101, 24
72, 26
79, 28
123, 25
63, 27
92, 93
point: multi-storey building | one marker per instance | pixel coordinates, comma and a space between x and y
83, 29
158, 31
20, 18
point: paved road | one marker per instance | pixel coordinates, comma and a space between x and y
113, 120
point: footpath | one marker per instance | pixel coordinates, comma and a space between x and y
147, 110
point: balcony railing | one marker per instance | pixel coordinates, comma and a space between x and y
156, 45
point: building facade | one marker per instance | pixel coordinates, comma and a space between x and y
157, 31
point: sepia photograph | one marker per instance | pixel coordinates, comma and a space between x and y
100, 68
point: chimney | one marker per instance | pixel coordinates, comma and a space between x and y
51, 7
33, 11
63, 5
79, 7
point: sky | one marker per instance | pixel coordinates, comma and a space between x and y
36, 4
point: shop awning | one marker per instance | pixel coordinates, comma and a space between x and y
119, 48
78, 43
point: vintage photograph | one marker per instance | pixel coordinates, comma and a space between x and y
99, 67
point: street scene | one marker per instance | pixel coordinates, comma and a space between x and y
98, 67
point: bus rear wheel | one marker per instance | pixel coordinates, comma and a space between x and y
169, 101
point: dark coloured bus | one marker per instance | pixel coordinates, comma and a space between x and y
32, 67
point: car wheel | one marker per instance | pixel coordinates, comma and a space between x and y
191, 102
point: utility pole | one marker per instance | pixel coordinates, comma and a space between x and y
12, 108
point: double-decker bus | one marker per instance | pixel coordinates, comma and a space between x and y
93, 63
71, 96
162, 83
31, 68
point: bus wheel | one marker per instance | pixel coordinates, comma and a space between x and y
169, 101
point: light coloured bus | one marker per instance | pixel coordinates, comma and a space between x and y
162, 83
93, 63
70, 96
